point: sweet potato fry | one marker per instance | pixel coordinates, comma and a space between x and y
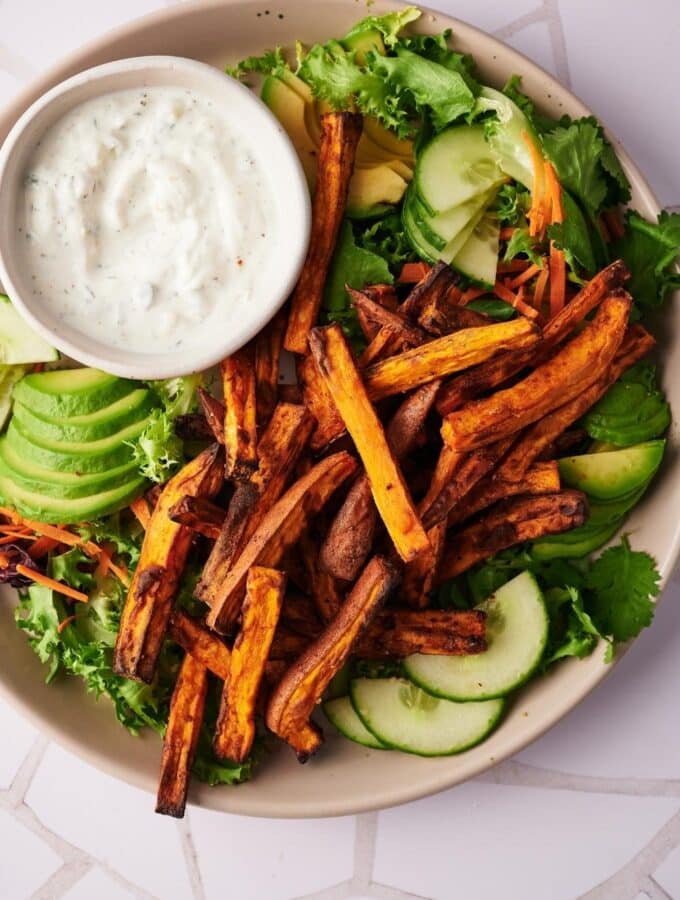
181, 737
300, 614
511, 522
282, 443
288, 644
340, 133
291, 393
563, 443
636, 344
446, 355
268, 346
293, 701
391, 496
438, 316
279, 529
434, 285
193, 427
408, 422
572, 369
204, 645
200, 515
384, 294
329, 425
380, 316
350, 537
164, 553
240, 416
397, 633
235, 730
418, 579
386, 343
326, 590
540, 478
213, 411
497, 371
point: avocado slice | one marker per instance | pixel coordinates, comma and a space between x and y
289, 108
64, 510
613, 474
372, 191
83, 458
91, 427
19, 344
71, 392
582, 541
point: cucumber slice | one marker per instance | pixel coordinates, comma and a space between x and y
71, 392
444, 228
613, 474
19, 344
454, 167
340, 713
478, 258
404, 717
516, 632
585, 540
508, 135
420, 244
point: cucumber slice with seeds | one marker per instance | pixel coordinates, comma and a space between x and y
478, 257
340, 713
404, 717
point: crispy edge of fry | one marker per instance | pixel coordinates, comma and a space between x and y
181, 737
492, 374
384, 294
340, 133
386, 343
325, 589
540, 478
380, 316
235, 729
349, 539
637, 343
439, 316
240, 416
408, 422
268, 346
434, 284
199, 514
446, 355
397, 633
511, 522
164, 551
419, 574
293, 701
318, 400
193, 427
204, 645
278, 530
283, 441
573, 368
390, 493
213, 411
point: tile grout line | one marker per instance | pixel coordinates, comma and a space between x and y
557, 40
191, 858
24, 775
653, 889
15, 65
365, 836
531, 18
385, 892
61, 881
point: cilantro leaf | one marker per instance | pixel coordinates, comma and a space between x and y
388, 25
650, 249
620, 586
572, 631
521, 242
574, 237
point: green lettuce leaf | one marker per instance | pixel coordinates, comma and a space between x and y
522, 243
385, 238
650, 250
574, 236
158, 451
73, 568
388, 25
271, 62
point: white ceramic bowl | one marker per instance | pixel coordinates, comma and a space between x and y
343, 778
285, 180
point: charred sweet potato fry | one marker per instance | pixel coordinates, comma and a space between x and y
181, 737
540, 478
340, 133
164, 553
204, 645
282, 443
397, 633
292, 702
326, 590
434, 285
572, 369
390, 493
446, 355
213, 411
419, 574
200, 515
193, 427
380, 316
386, 343
492, 374
439, 316
235, 729
384, 294
350, 537
268, 346
288, 644
299, 613
636, 344
408, 422
240, 416
280, 528
291, 393
329, 425
511, 522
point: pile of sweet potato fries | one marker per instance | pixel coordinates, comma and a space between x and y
429, 453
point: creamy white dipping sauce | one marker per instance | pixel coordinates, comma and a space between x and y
144, 219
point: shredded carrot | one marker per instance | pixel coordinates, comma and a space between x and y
523, 307
140, 508
65, 623
472, 294
104, 563
120, 572
39, 367
57, 586
42, 546
525, 276
537, 213
61, 535
606, 236
11, 536
554, 192
503, 292
558, 266
454, 295
506, 233
541, 284
614, 223
515, 265
412, 272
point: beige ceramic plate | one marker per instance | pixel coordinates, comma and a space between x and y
344, 778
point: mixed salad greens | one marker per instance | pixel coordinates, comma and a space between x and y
446, 169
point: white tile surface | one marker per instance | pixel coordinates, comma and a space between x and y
17, 746
533, 843
668, 874
110, 820
97, 884
272, 858
25, 861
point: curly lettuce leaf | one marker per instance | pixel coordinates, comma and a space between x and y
271, 62
522, 243
178, 395
650, 250
386, 238
388, 25
73, 568
158, 451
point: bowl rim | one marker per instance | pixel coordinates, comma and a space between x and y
282, 267
405, 791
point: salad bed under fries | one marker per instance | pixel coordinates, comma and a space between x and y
413, 529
